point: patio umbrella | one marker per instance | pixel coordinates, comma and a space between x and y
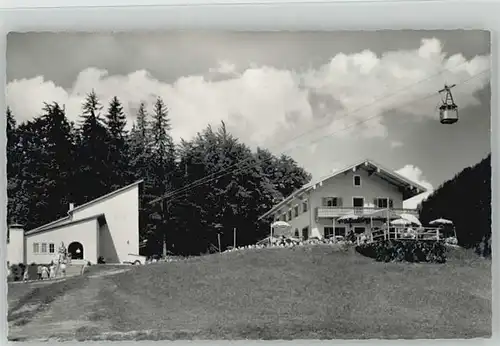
401, 222
282, 229
413, 219
441, 221
280, 224
349, 217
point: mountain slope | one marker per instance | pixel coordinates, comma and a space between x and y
301, 293
465, 199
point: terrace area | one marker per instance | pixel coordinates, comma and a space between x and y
328, 212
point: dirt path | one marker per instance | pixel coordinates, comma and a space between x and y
70, 316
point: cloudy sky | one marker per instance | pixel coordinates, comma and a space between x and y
326, 99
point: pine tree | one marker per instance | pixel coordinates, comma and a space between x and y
14, 183
141, 165
118, 154
93, 152
140, 144
46, 167
469, 209
162, 162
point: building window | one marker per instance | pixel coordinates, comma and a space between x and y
382, 202
358, 202
357, 180
44, 248
304, 206
332, 202
296, 234
305, 233
289, 215
36, 247
51, 248
296, 211
359, 230
328, 232
340, 231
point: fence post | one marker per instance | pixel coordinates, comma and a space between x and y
234, 241
218, 238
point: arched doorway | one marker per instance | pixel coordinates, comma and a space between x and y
75, 250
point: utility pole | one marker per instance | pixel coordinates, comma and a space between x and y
218, 239
164, 237
234, 241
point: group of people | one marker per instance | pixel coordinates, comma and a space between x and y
45, 272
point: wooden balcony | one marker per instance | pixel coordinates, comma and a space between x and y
330, 212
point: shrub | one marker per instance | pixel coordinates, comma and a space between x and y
413, 251
16, 272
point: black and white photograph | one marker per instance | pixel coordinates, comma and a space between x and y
239, 185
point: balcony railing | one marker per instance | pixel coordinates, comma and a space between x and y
327, 212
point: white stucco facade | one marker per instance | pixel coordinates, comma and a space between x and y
120, 235
15, 245
313, 211
107, 226
85, 233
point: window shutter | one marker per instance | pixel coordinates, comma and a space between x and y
391, 203
323, 201
339, 201
375, 202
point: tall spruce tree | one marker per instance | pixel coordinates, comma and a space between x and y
162, 164
118, 154
14, 181
47, 147
140, 146
468, 208
93, 152
141, 165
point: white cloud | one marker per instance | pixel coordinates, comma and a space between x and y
415, 174
263, 104
225, 67
396, 144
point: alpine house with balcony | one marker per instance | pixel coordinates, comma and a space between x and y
359, 198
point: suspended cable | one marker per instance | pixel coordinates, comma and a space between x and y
214, 176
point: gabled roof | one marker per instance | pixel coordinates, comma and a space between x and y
70, 222
107, 196
67, 219
410, 188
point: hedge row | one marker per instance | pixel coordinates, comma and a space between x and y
404, 251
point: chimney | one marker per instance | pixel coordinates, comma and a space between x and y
16, 246
71, 206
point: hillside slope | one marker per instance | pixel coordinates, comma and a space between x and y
465, 199
300, 293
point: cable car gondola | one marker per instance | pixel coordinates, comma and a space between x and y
448, 111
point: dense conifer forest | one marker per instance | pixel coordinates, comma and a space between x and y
53, 162
214, 182
466, 200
